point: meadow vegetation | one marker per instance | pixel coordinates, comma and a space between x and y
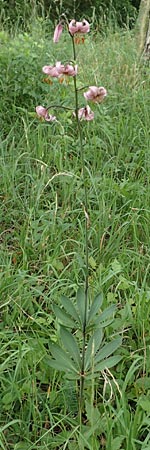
42, 240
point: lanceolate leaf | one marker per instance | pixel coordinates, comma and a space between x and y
71, 346
69, 373
61, 359
70, 308
63, 317
96, 305
73, 376
81, 303
107, 363
106, 314
56, 365
93, 413
108, 349
92, 347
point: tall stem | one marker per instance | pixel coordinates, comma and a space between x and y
82, 378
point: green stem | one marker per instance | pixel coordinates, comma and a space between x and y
82, 378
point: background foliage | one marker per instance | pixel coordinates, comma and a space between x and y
18, 10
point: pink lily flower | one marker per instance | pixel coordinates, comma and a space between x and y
95, 94
84, 26
42, 112
67, 69
51, 70
79, 27
57, 32
85, 113
60, 69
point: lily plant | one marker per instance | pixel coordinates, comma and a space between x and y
82, 359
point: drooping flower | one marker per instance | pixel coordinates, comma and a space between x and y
51, 70
85, 113
67, 69
84, 26
95, 94
79, 27
42, 112
57, 32
70, 70
60, 69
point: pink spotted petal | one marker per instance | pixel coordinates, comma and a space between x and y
42, 112
73, 27
79, 27
51, 70
67, 69
50, 118
70, 70
84, 26
95, 94
85, 113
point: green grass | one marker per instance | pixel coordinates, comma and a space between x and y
42, 241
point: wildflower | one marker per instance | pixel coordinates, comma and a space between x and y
57, 32
85, 113
60, 69
43, 113
79, 27
68, 69
96, 94
51, 70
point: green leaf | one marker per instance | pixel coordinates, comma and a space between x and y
81, 304
106, 314
96, 305
63, 316
92, 262
145, 404
70, 308
92, 347
107, 363
70, 345
56, 365
22, 445
116, 443
8, 398
58, 265
93, 413
116, 266
143, 383
62, 361
108, 349
73, 376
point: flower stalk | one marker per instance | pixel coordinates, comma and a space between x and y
82, 376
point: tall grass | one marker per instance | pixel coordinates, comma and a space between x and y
42, 246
